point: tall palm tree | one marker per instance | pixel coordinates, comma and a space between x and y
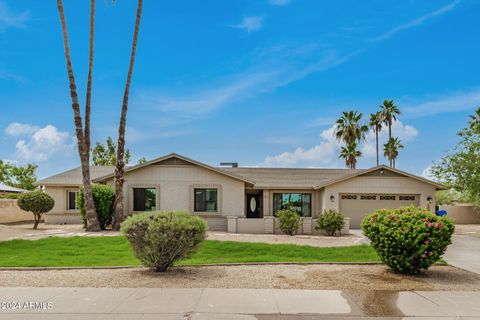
389, 112
349, 129
120, 166
81, 133
390, 150
375, 123
350, 154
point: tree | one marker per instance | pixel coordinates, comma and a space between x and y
106, 155
37, 202
389, 112
375, 123
82, 134
459, 168
390, 150
120, 165
21, 177
142, 160
349, 129
350, 154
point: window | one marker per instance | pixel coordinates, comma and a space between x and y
387, 197
409, 198
144, 199
299, 202
72, 200
349, 197
205, 200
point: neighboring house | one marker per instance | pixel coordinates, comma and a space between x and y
8, 189
245, 200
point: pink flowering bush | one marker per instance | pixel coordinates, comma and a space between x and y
408, 239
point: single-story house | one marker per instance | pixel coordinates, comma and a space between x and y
245, 199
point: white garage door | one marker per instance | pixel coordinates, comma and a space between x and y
357, 206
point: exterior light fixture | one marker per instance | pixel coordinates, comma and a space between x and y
332, 198
429, 198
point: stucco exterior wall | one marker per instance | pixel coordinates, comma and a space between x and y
462, 213
10, 212
59, 195
175, 185
381, 185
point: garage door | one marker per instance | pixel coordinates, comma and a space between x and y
357, 206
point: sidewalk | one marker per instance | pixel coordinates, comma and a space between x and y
126, 303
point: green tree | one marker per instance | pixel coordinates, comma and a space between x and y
142, 160
390, 150
460, 167
350, 154
106, 154
389, 112
21, 177
349, 129
37, 202
120, 165
376, 121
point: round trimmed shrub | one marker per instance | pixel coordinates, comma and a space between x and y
289, 221
160, 238
408, 239
331, 221
37, 202
103, 198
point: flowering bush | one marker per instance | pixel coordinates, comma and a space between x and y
408, 239
289, 221
331, 221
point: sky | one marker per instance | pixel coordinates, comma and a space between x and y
259, 82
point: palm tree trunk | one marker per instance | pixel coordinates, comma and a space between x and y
91, 215
376, 140
120, 167
390, 137
89, 78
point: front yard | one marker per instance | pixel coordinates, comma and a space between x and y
115, 251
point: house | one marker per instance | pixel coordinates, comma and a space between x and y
245, 200
7, 189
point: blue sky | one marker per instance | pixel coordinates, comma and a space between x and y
259, 82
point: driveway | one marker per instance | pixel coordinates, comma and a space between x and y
464, 253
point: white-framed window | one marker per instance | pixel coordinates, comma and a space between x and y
72, 200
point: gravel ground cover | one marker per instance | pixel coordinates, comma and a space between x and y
327, 276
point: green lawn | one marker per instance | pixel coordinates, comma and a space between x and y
115, 251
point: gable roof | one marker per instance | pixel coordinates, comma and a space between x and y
288, 178
177, 156
384, 167
73, 177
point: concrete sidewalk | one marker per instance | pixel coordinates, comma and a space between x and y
127, 303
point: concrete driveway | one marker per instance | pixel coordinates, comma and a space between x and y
464, 253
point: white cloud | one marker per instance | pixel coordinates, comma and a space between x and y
250, 24
452, 102
405, 133
10, 19
43, 143
325, 154
19, 129
279, 2
418, 21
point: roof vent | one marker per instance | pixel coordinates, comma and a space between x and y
230, 164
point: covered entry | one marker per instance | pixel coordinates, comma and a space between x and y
357, 206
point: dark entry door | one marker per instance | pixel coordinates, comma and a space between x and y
253, 206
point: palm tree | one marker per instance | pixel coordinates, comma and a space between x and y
120, 166
375, 123
348, 128
350, 154
390, 150
83, 135
389, 112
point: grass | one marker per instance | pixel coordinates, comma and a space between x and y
116, 251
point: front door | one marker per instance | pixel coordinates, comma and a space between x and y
253, 206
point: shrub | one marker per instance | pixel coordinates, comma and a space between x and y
9, 195
160, 238
103, 198
408, 239
330, 221
36, 202
289, 221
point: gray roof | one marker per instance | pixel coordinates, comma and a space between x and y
283, 178
5, 188
73, 177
